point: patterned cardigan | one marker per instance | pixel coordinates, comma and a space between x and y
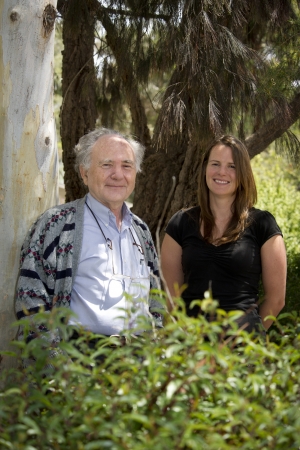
50, 256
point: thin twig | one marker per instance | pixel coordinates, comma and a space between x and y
72, 81
158, 240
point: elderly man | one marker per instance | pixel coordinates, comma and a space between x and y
93, 255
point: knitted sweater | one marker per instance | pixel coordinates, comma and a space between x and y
50, 257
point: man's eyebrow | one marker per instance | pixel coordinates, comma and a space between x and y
128, 161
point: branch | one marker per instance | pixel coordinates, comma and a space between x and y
72, 81
121, 12
274, 128
123, 58
158, 242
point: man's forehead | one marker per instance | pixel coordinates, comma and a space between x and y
111, 139
109, 144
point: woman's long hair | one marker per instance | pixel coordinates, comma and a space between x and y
246, 194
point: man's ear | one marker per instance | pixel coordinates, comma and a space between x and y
83, 173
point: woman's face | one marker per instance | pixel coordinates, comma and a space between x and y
220, 172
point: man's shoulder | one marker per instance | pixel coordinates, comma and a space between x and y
59, 213
70, 206
139, 222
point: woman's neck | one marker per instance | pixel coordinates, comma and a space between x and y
222, 212
221, 208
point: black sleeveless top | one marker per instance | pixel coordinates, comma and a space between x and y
234, 269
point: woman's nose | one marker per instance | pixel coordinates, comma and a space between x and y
222, 170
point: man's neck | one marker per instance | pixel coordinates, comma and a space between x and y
117, 212
116, 209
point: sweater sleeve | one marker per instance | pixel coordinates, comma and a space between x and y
34, 283
45, 275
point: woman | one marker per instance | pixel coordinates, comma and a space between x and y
225, 241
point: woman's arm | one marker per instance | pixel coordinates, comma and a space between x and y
171, 253
274, 266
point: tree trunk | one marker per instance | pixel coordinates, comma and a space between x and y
155, 182
177, 156
78, 111
29, 164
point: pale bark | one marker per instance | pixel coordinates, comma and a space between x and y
28, 152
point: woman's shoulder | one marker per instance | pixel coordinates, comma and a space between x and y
186, 214
181, 222
263, 223
258, 215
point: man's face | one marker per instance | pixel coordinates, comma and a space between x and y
111, 176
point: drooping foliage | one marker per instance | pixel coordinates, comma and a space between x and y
177, 73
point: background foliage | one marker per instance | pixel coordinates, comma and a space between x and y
278, 183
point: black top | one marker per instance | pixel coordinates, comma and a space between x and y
234, 269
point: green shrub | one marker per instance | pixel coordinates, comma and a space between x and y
193, 385
278, 192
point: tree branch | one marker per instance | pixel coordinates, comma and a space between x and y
123, 57
147, 16
274, 128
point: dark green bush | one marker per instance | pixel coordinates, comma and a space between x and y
192, 385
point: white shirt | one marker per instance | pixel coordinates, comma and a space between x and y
105, 277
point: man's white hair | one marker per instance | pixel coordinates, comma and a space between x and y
86, 143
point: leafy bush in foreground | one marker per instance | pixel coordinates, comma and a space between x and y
193, 385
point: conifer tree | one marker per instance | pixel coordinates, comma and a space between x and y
223, 67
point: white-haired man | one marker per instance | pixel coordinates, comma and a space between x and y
90, 253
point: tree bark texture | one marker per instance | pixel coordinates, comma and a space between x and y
28, 151
78, 111
171, 155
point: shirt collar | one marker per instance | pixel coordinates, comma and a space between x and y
105, 215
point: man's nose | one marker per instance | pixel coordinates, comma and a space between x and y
117, 171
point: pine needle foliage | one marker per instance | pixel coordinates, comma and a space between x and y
230, 65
